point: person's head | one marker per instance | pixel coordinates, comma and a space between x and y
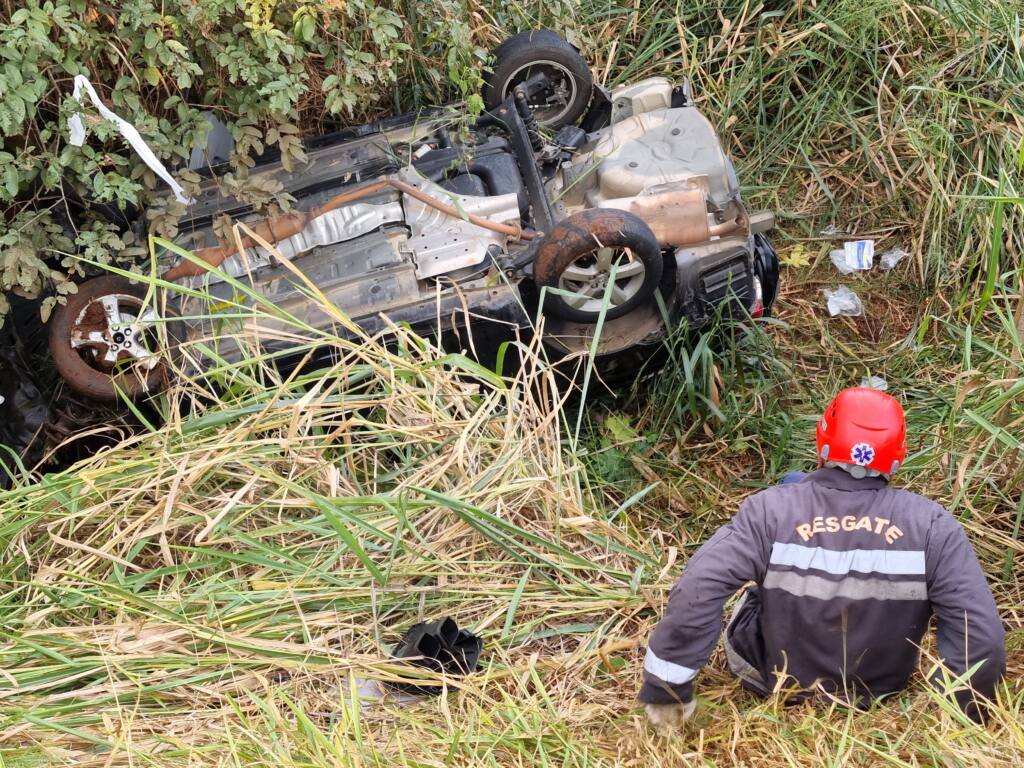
864, 432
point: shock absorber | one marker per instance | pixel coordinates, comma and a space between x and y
529, 120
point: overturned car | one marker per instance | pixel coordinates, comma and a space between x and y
562, 201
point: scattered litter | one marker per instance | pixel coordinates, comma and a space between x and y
843, 301
372, 693
891, 258
76, 135
838, 256
860, 254
369, 690
855, 255
875, 382
439, 646
832, 231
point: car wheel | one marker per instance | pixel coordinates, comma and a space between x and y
527, 54
578, 254
107, 340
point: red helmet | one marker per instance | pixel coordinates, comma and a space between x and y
866, 427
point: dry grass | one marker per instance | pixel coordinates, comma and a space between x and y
206, 593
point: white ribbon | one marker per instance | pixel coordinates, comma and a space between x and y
76, 136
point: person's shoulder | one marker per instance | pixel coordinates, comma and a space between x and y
775, 493
920, 505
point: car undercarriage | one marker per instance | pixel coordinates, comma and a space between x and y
563, 204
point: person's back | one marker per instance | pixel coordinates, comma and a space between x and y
848, 573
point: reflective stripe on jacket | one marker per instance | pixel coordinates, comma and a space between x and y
849, 572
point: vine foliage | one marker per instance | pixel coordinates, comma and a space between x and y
271, 70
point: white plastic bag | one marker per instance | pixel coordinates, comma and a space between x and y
843, 301
891, 258
838, 257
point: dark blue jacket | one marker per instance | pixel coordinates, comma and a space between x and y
849, 573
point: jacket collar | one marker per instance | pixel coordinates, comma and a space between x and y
832, 477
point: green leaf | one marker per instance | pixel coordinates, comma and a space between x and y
11, 181
620, 428
307, 28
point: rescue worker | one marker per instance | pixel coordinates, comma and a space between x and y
847, 571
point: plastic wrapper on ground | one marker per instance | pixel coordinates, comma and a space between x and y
843, 301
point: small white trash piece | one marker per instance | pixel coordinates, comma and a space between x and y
838, 257
875, 382
832, 231
855, 255
891, 258
843, 301
860, 254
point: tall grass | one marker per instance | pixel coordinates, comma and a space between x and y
214, 590
876, 117
283, 535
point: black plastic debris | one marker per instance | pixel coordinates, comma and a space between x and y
439, 646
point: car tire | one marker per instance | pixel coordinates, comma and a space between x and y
523, 54
576, 247
766, 269
92, 378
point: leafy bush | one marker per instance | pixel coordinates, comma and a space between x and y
270, 69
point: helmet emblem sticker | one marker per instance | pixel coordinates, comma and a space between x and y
862, 454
